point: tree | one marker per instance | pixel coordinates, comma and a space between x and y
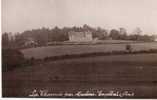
19, 40
58, 34
5, 40
114, 34
137, 31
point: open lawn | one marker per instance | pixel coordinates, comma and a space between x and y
58, 50
136, 73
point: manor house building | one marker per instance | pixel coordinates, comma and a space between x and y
80, 36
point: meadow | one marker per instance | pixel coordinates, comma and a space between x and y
136, 73
58, 50
131, 72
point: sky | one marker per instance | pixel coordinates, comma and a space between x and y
21, 15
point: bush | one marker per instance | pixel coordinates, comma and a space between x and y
128, 48
11, 59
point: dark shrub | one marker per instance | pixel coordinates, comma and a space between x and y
11, 59
128, 48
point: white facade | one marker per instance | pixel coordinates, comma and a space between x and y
30, 42
80, 36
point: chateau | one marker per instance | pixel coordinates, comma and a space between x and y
80, 36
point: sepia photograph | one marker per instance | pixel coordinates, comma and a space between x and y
79, 49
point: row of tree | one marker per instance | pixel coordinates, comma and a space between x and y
45, 35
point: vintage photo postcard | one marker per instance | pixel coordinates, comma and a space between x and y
79, 49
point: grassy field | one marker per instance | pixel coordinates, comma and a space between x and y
48, 51
137, 73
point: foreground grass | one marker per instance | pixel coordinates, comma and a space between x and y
137, 73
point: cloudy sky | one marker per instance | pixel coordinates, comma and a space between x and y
20, 15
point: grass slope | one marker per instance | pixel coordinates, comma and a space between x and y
137, 73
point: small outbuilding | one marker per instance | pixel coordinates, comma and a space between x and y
30, 42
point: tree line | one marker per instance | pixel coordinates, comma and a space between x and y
56, 34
